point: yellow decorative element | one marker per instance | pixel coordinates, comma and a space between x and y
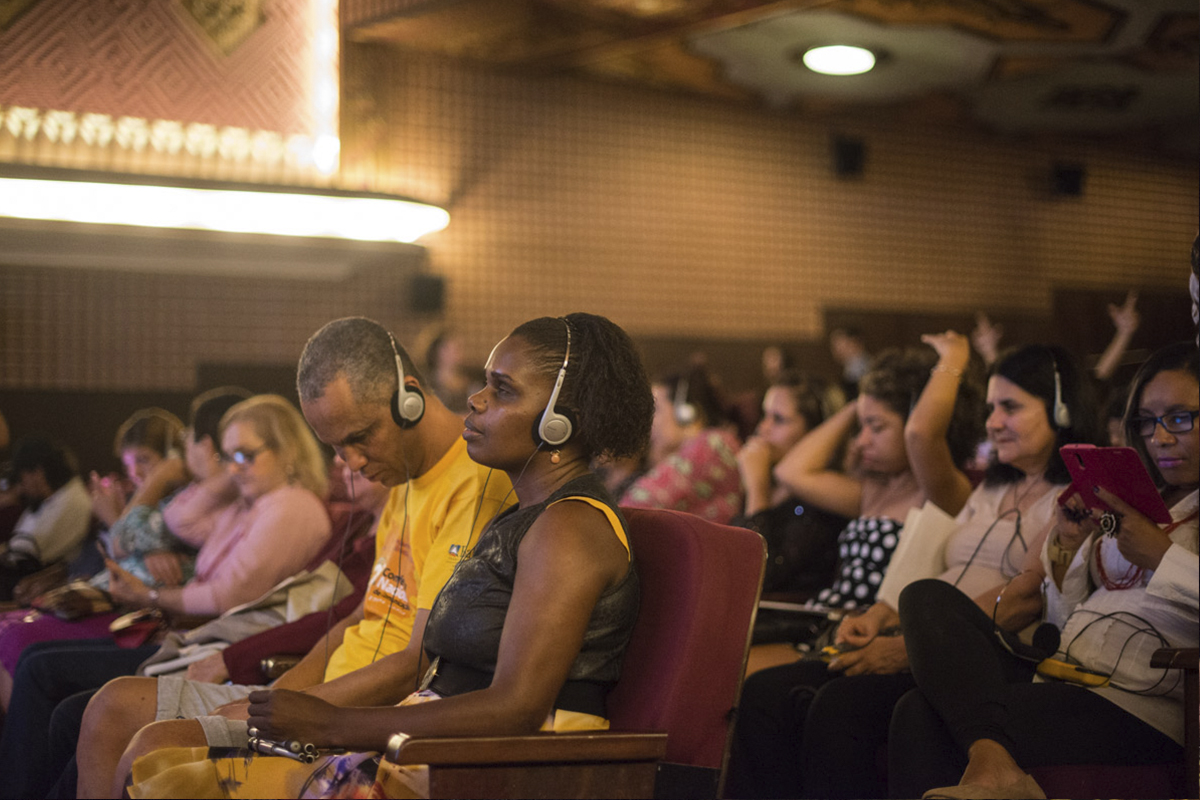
22, 122
96, 129
132, 133
60, 126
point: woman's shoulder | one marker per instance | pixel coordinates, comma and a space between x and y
291, 501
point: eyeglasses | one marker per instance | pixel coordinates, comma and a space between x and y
1174, 422
243, 458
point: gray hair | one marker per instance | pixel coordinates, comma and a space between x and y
361, 350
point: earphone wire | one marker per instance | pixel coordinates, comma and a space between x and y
399, 566
1148, 630
467, 554
338, 575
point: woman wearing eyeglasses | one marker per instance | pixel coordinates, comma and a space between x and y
275, 528
977, 719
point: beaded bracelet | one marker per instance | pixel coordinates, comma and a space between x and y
942, 368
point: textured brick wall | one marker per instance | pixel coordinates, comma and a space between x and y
676, 217
679, 216
74, 329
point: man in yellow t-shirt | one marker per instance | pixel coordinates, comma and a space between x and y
361, 394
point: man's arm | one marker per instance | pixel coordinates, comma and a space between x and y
310, 672
385, 682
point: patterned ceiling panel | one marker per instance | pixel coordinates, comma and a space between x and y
154, 59
1003, 20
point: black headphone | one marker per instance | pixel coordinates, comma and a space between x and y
555, 426
685, 412
1061, 414
408, 404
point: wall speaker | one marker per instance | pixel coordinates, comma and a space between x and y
1067, 179
427, 294
849, 156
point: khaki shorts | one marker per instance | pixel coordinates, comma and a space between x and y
179, 698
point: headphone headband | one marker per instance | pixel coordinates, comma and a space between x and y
555, 427
1061, 413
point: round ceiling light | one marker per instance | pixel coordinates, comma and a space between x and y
839, 59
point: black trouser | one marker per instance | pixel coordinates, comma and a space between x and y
803, 731
971, 688
765, 758
47, 674
846, 733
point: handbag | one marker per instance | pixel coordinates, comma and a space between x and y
75, 600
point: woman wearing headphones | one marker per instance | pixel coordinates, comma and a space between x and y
515, 646
693, 456
1038, 399
1117, 598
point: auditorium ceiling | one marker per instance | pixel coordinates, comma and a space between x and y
1021, 66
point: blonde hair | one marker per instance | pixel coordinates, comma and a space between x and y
280, 426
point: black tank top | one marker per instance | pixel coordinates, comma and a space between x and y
467, 618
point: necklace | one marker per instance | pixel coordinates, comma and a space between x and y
1020, 496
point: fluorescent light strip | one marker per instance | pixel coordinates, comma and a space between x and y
369, 219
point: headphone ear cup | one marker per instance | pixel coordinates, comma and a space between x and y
685, 413
409, 407
554, 428
1062, 414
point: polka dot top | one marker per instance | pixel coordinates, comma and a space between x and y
864, 549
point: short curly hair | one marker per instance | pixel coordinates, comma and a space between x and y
897, 378
605, 388
359, 349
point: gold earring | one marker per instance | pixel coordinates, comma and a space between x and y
555, 456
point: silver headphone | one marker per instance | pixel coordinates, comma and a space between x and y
555, 427
408, 404
1061, 414
685, 412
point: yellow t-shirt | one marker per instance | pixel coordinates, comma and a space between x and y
435, 513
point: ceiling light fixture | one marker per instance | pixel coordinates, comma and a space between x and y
235, 209
839, 59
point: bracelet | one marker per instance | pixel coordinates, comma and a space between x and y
943, 368
154, 597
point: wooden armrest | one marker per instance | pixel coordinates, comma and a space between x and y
1185, 658
536, 748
